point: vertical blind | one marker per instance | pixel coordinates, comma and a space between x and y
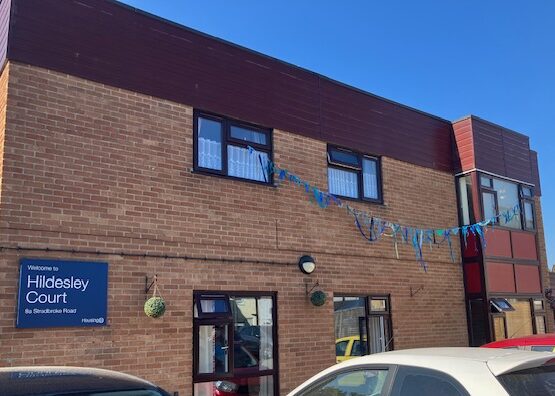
377, 329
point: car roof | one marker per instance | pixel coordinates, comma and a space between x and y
19, 381
464, 363
536, 339
499, 361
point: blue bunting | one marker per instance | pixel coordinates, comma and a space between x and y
375, 227
464, 230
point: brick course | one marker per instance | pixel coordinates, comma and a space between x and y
90, 167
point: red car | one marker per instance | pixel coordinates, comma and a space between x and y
538, 342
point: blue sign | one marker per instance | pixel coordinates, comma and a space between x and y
54, 293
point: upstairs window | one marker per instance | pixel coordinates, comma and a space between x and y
528, 215
354, 175
221, 147
500, 196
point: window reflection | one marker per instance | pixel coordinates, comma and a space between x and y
507, 199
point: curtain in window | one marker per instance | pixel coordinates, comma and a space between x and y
266, 326
370, 178
377, 329
241, 163
209, 154
206, 336
529, 215
343, 183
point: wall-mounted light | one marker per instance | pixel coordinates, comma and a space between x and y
307, 264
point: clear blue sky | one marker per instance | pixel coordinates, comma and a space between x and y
493, 58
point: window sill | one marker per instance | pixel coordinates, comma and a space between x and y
362, 200
215, 174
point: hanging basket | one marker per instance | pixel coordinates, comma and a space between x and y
155, 307
318, 298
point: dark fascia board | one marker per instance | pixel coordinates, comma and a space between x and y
269, 57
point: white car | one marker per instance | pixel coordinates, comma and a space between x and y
438, 372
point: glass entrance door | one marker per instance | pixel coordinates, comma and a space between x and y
362, 326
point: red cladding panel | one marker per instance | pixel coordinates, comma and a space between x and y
527, 279
498, 243
500, 277
470, 249
464, 155
524, 245
501, 151
473, 279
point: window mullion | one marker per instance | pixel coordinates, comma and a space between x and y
361, 180
224, 147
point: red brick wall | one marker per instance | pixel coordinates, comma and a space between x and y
90, 167
542, 256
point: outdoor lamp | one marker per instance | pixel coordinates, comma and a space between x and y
307, 264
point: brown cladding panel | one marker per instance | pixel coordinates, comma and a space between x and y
517, 156
488, 143
106, 42
535, 173
524, 245
110, 43
502, 151
464, 141
527, 279
5, 7
500, 277
354, 119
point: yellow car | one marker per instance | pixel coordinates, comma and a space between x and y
348, 347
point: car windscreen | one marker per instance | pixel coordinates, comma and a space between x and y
537, 381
